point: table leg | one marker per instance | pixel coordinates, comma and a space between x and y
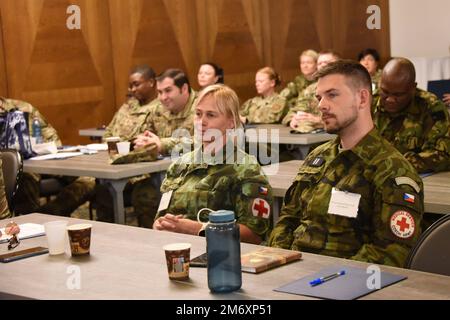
116, 187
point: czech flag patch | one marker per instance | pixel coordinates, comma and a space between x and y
263, 190
408, 197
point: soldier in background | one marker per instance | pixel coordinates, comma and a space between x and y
308, 65
381, 192
308, 118
268, 106
209, 73
173, 110
76, 191
370, 59
128, 122
415, 121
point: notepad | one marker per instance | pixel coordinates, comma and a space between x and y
27, 230
267, 258
356, 282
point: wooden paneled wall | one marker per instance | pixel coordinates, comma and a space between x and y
78, 78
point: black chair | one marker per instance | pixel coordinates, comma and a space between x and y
432, 251
12, 169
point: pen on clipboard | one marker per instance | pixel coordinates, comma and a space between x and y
321, 280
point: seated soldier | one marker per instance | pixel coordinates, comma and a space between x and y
268, 106
76, 191
304, 116
308, 65
173, 110
348, 199
370, 59
217, 174
128, 122
209, 73
415, 121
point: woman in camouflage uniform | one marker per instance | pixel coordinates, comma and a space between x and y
208, 178
268, 106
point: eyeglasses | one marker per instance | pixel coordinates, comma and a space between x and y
12, 229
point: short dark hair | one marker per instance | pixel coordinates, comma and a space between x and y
218, 71
352, 70
369, 51
145, 71
178, 76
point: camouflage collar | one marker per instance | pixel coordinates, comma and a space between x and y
369, 146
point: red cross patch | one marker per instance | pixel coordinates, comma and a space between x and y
403, 224
260, 208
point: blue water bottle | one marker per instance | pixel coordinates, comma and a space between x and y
36, 128
223, 248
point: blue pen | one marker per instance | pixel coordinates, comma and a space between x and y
321, 280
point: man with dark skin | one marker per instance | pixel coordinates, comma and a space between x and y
415, 121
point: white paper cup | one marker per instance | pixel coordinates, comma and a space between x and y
123, 147
56, 236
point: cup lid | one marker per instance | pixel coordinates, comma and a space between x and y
221, 216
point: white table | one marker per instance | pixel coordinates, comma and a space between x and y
129, 263
281, 134
97, 166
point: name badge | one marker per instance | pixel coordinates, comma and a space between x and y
344, 203
165, 200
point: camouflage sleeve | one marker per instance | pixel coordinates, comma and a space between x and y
434, 154
254, 201
4, 210
396, 224
245, 108
282, 235
109, 131
176, 145
290, 91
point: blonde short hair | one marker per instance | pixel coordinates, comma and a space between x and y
226, 100
310, 53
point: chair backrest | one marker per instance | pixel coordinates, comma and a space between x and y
12, 169
432, 253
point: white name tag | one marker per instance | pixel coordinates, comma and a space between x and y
165, 200
344, 203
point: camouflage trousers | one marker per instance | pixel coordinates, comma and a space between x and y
76, 191
140, 193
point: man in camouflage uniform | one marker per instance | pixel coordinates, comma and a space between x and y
415, 121
216, 185
354, 197
76, 190
128, 122
174, 110
308, 65
306, 103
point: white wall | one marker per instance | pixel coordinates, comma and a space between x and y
420, 28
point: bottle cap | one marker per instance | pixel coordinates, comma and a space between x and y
221, 216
